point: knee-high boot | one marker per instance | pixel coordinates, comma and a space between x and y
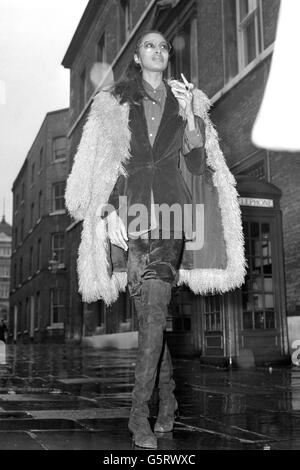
167, 401
152, 307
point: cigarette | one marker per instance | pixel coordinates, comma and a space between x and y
187, 86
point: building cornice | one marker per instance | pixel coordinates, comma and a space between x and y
84, 25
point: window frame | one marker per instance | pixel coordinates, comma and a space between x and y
126, 8
254, 13
58, 250
62, 197
59, 305
101, 49
55, 139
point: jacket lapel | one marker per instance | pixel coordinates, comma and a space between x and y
171, 108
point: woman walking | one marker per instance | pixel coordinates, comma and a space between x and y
129, 154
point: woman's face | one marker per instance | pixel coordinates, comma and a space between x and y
153, 53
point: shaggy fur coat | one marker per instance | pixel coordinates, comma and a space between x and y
104, 149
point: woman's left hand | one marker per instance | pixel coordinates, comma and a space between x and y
183, 95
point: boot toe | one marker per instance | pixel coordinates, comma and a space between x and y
148, 442
164, 427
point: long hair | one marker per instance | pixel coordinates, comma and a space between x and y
130, 89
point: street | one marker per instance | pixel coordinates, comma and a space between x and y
67, 397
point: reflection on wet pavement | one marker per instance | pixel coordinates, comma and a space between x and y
70, 397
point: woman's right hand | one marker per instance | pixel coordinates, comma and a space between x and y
116, 230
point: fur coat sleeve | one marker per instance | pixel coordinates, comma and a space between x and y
79, 184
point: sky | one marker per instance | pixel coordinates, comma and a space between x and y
34, 36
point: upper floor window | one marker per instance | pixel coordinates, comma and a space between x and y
30, 259
39, 254
32, 214
249, 31
22, 229
59, 148
17, 202
4, 291
5, 252
185, 44
32, 172
82, 89
58, 196
125, 20
40, 204
23, 191
16, 236
4, 271
58, 247
41, 158
20, 270
15, 275
101, 49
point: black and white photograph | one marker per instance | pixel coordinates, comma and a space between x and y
149, 228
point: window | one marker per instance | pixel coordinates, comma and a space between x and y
59, 196
186, 58
26, 315
16, 236
4, 271
125, 20
15, 275
230, 40
20, 270
39, 254
212, 313
58, 247
258, 289
101, 49
32, 173
40, 205
57, 306
4, 291
59, 148
249, 31
31, 260
19, 317
82, 90
23, 191
37, 310
22, 229
41, 159
17, 202
32, 214
257, 170
5, 252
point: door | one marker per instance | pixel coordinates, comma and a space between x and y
260, 314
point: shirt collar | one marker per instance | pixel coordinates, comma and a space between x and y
149, 88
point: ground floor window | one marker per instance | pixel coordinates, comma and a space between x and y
57, 306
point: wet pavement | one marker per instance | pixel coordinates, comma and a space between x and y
67, 397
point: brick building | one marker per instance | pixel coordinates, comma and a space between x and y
225, 48
38, 281
5, 254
